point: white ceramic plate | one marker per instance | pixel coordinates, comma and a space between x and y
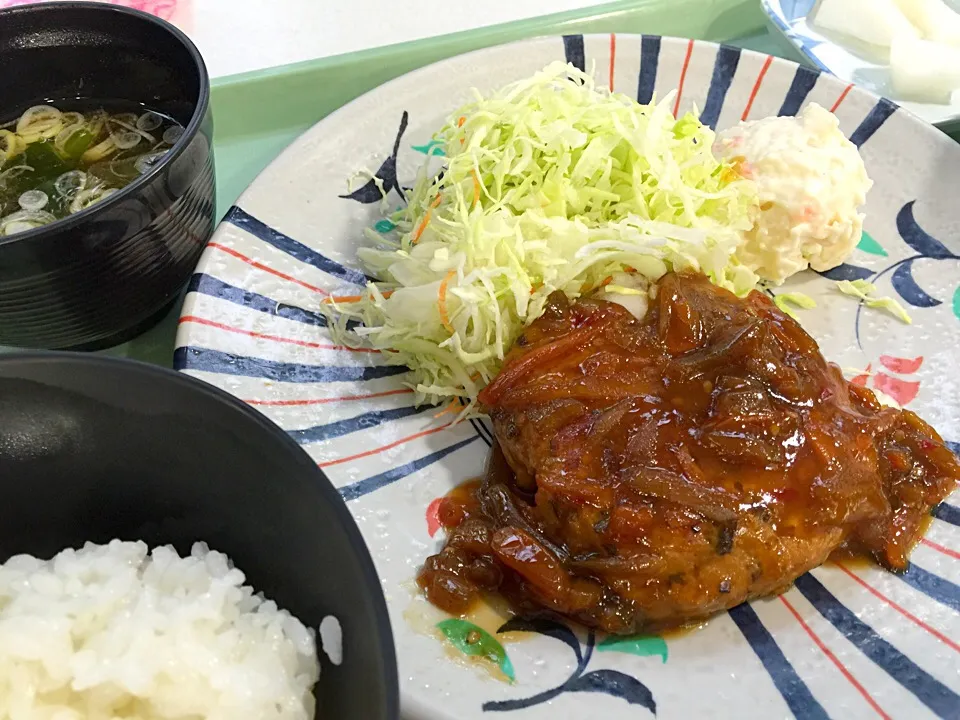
853, 64
846, 642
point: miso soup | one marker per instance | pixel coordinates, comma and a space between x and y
54, 163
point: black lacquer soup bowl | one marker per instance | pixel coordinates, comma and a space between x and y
105, 274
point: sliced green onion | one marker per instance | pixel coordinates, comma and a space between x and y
24, 220
126, 140
90, 196
10, 145
33, 200
149, 121
130, 128
145, 163
99, 151
11, 172
172, 134
70, 183
39, 123
126, 119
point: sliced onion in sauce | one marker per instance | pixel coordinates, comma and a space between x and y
145, 163
127, 118
172, 134
149, 121
70, 183
33, 200
24, 220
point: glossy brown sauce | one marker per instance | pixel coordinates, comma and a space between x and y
850, 556
459, 504
651, 473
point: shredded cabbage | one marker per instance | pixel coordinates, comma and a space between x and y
788, 301
864, 291
549, 184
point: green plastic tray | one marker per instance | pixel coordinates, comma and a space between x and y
258, 114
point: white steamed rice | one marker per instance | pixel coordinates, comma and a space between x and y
112, 632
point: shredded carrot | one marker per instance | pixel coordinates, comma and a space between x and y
461, 121
352, 298
442, 301
456, 403
453, 406
426, 219
476, 187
